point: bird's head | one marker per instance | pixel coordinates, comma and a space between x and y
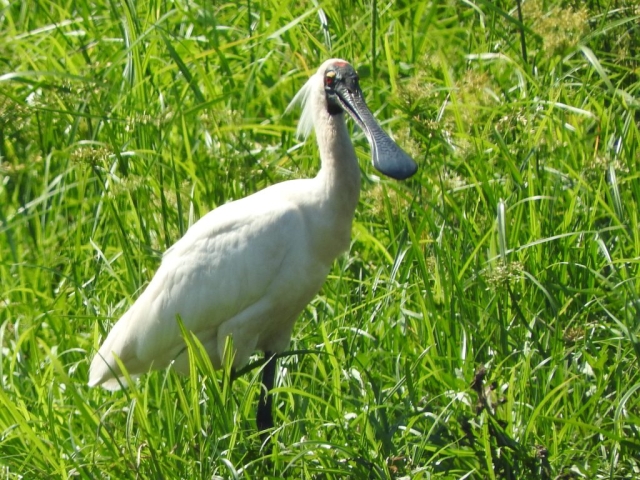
336, 84
340, 85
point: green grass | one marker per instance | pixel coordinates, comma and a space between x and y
483, 325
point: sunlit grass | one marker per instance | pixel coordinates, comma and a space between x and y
485, 321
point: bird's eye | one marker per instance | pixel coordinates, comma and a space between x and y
329, 79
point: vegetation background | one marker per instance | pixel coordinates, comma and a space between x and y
485, 322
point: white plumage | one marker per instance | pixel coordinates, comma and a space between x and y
248, 268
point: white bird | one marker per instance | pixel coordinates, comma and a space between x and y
249, 267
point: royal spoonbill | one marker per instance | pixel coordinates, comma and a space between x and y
249, 267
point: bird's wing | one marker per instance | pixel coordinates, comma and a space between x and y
223, 265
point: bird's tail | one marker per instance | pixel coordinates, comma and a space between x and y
104, 369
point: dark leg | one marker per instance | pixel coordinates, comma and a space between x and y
264, 419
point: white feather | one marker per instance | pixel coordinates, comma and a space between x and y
248, 268
305, 124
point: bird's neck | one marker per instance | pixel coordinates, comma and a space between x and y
339, 171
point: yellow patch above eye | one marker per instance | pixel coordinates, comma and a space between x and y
331, 74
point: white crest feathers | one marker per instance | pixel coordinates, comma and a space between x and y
303, 98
